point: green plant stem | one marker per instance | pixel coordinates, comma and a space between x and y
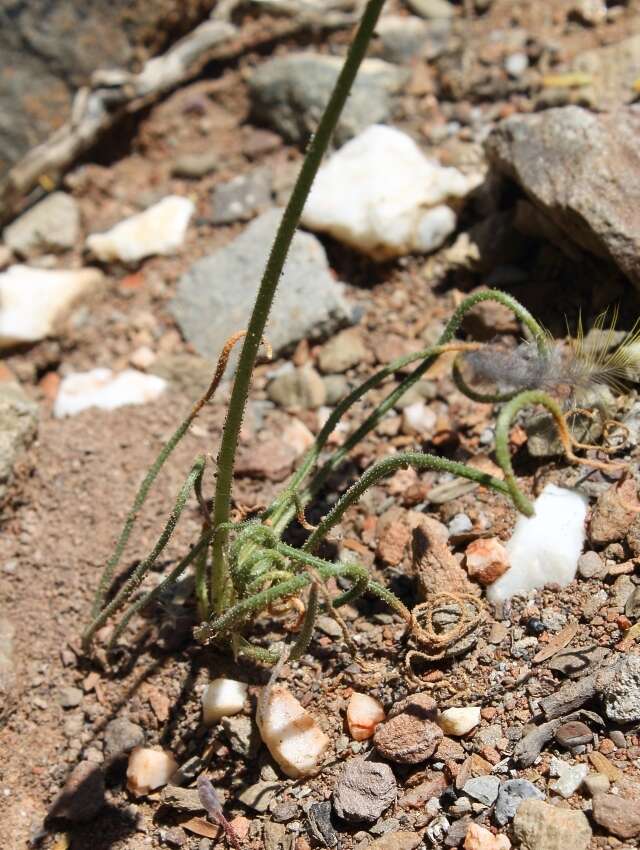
270, 279
402, 460
503, 426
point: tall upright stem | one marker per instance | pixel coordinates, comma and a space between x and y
266, 292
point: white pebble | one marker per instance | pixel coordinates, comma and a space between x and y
570, 777
418, 419
381, 195
516, 64
544, 548
149, 769
106, 390
292, 736
34, 301
222, 698
160, 229
459, 721
363, 715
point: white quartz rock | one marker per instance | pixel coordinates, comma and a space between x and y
570, 777
160, 229
222, 698
149, 769
106, 390
363, 715
459, 721
34, 301
292, 736
544, 548
381, 195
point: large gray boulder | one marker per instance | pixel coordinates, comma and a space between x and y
215, 297
582, 171
289, 94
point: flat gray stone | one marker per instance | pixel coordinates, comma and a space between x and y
215, 297
290, 93
511, 794
52, 225
484, 789
582, 171
365, 789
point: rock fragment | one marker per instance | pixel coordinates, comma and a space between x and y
364, 713
50, 226
621, 696
292, 736
215, 297
18, 428
160, 229
459, 721
34, 302
223, 698
410, 734
486, 559
120, 737
381, 195
106, 390
149, 769
241, 198
511, 795
540, 826
343, 351
480, 838
569, 777
620, 817
298, 388
365, 789
484, 789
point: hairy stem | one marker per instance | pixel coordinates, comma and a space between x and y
266, 292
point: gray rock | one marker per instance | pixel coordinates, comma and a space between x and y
181, 799
7, 665
52, 225
345, 350
290, 93
551, 155
82, 796
591, 565
365, 789
431, 9
120, 737
242, 734
302, 388
511, 794
632, 604
259, 795
613, 69
18, 426
484, 789
241, 198
215, 296
336, 388
320, 826
194, 165
70, 697
621, 696
274, 836
404, 37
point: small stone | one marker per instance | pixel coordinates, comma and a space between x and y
632, 604
175, 837
433, 787
194, 165
364, 713
106, 390
34, 302
516, 64
319, 817
570, 777
298, 388
18, 429
597, 783
622, 694
259, 795
484, 789
149, 769
82, 796
431, 9
336, 388
486, 560
381, 195
222, 698
511, 795
591, 565
181, 799
241, 198
619, 816
160, 229
614, 512
573, 733
283, 812
343, 351
270, 459
52, 225
418, 419
396, 840
364, 790
479, 838
70, 697
410, 735
292, 736
242, 734
274, 836
459, 721
540, 826
393, 537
